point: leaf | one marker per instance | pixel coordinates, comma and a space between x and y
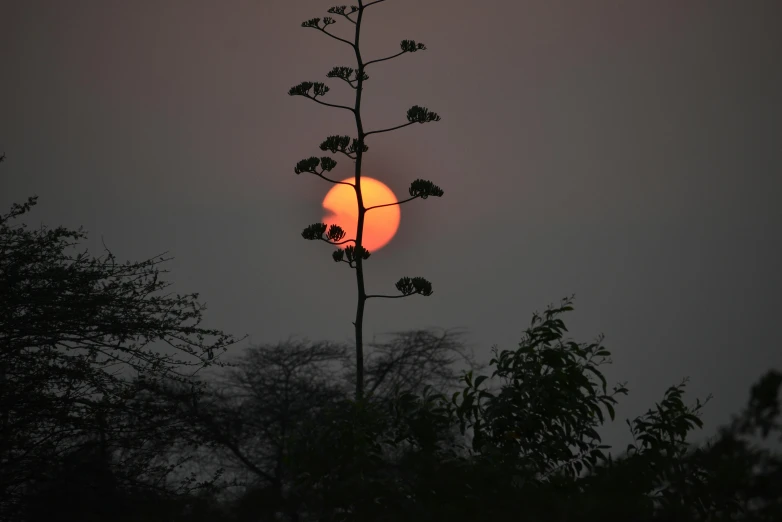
414, 285
335, 233
320, 89
343, 73
351, 253
314, 231
479, 380
347, 74
598, 412
422, 188
418, 114
303, 89
356, 146
327, 163
411, 46
610, 409
598, 454
341, 10
598, 374
592, 433
336, 144
307, 165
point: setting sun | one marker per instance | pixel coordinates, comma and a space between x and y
380, 224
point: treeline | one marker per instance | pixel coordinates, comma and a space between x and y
116, 405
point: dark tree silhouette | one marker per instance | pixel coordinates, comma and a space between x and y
530, 449
81, 339
408, 361
269, 396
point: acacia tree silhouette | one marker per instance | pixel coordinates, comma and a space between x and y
354, 255
74, 329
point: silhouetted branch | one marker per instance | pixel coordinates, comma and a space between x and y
384, 59
338, 38
408, 46
395, 203
330, 104
344, 145
340, 243
320, 175
340, 10
348, 154
314, 23
415, 114
349, 263
390, 129
419, 188
330, 234
345, 74
318, 89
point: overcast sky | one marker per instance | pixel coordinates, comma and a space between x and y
629, 152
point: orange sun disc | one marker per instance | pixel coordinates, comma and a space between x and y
380, 224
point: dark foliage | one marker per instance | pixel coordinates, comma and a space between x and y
83, 440
531, 450
84, 342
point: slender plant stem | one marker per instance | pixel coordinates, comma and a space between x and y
362, 295
358, 262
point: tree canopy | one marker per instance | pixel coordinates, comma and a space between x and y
83, 341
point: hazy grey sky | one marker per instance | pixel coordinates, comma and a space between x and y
628, 152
